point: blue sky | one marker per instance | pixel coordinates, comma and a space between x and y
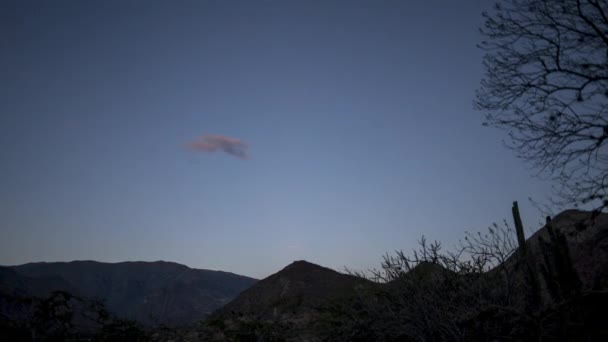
356, 119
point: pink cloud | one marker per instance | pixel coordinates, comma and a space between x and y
213, 143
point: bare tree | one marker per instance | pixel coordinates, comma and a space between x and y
546, 83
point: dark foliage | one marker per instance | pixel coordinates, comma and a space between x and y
480, 293
63, 317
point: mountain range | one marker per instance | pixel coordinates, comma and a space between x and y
309, 302
148, 292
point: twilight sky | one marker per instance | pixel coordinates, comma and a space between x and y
243, 135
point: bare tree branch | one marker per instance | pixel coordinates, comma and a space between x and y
546, 84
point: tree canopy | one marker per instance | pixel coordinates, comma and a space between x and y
546, 83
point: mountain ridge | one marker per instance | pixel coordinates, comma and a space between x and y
148, 292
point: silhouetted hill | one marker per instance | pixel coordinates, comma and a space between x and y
307, 302
299, 285
586, 236
288, 302
148, 292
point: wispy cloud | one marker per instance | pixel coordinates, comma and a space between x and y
214, 142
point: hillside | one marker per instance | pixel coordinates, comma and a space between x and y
148, 292
287, 303
307, 302
587, 239
13, 283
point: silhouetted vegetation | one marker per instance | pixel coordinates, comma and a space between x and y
486, 289
492, 287
481, 292
546, 83
63, 317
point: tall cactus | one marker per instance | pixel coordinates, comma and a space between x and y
558, 270
533, 293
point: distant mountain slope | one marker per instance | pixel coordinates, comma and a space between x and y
15, 284
149, 292
288, 301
